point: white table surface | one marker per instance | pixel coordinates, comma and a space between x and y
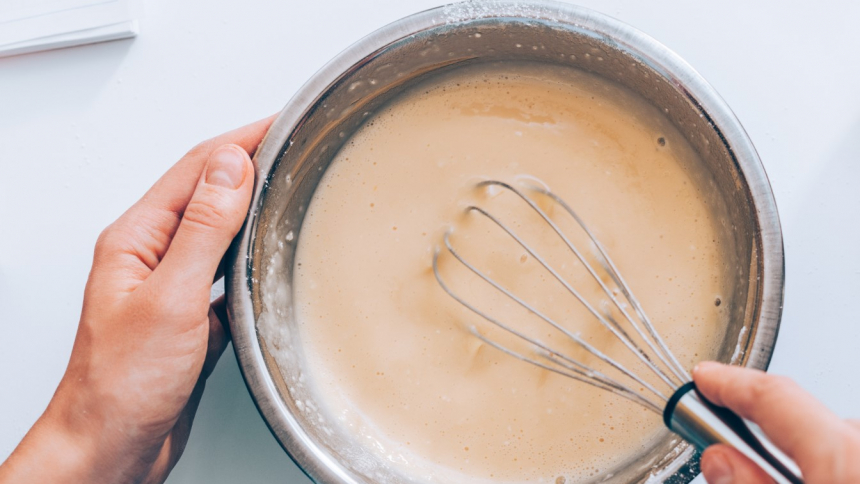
84, 131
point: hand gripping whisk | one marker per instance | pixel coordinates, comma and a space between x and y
685, 411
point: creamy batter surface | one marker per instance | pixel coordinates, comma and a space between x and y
390, 355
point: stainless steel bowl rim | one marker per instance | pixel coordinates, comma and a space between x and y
316, 463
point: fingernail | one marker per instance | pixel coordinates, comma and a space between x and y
704, 365
717, 470
226, 167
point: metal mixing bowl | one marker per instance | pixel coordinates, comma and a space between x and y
336, 101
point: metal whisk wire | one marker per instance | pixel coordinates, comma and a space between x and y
685, 411
576, 370
560, 363
675, 365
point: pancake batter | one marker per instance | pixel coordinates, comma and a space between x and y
388, 352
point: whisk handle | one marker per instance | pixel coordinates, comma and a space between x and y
700, 422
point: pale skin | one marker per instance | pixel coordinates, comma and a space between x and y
825, 447
148, 338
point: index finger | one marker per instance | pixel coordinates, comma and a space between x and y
793, 419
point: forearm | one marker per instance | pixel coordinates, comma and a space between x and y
50, 453
123, 412
73, 441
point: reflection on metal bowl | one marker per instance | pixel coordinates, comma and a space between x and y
334, 103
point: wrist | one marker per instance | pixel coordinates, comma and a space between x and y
50, 453
73, 441
88, 419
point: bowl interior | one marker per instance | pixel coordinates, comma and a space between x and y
300, 150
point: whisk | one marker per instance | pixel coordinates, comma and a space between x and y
684, 409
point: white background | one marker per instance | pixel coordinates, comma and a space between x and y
84, 131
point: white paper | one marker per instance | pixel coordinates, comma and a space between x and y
118, 31
30, 25
21, 9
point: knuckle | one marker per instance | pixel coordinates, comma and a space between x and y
764, 386
768, 390
207, 214
855, 423
776, 384
107, 240
201, 149
849, 446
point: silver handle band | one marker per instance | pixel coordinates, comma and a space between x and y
700, 422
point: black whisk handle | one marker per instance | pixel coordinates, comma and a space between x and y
700, 422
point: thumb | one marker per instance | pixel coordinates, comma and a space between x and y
209, 222
722, 464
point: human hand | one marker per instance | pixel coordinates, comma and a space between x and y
147, 337
825, 447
